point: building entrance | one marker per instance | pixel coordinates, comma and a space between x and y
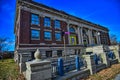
73, 39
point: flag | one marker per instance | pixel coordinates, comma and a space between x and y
63, 33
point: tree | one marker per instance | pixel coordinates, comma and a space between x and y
3, 44
113, 39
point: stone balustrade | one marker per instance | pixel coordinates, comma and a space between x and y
38, 68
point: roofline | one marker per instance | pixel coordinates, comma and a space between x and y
63, 12
59, 11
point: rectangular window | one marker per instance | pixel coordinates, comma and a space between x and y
57, 24
47, 35
35, 34
58, 36
48, 54
59, 53
47, 22
35, 19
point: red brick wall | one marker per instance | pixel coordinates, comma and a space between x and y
42, 29
24, 27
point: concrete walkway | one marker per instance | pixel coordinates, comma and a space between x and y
117, 77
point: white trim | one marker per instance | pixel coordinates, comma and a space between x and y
59, 18
34, 28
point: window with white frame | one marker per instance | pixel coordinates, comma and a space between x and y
35, 19
58, 36
35, 34
47, 35
57, 24
47, 22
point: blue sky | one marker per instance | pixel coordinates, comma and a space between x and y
103, 12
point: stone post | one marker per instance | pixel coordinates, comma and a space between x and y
90, 63
38, 69
117, 52
24, 57
105, 59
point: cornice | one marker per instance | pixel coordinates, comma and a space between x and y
45, 9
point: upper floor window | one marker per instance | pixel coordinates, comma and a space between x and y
35, 19
47, 22
72, 29
35, 34
57, 24
58, 36
47, 35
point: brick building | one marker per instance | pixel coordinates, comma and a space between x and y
40, 26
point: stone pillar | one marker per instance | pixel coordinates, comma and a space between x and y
38, 69
116, 52
90, 36
105, 59
24, 57
98, 37
90, 63
54, 53
79, 35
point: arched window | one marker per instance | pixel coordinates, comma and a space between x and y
72, 29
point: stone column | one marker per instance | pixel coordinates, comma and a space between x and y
81, 33
90, 63
54, 53
90, 36
105, 59
116, 51
38, 69
24, 57
98, 37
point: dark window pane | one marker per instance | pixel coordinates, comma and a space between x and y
57, 24
72, 29
47, 22
35, 34
47, 35
48, 54
59, 53
35, 19
58, 36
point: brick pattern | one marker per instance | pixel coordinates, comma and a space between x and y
25, 30
24, 27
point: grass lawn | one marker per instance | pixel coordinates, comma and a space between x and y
9, 70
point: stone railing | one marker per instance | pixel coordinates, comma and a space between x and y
72, 68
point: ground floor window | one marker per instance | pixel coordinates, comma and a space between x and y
32, 55
59, 53
48, 54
